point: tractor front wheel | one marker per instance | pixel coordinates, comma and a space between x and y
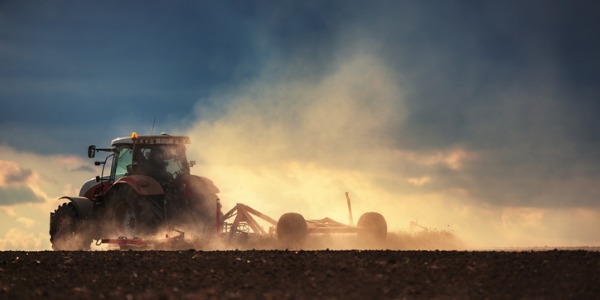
67, 230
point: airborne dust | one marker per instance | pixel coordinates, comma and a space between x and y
290, 144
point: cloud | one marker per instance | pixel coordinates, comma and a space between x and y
12, 173
15, 184
18, 177
84, 168
18, 195
419, 181
30, 186
9, 211
27, 222
17, 239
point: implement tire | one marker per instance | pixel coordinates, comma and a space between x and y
292, 230
372, 229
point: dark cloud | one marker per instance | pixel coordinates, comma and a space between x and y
512, 81
84, 168
18, 195
111, 66
20, 176
160, 59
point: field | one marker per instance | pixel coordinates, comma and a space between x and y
279, 274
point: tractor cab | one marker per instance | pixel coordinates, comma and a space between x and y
161, 157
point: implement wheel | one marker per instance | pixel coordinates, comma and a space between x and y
291, 229
372, 229
66, 229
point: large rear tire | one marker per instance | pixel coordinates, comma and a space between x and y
132, 215
195, 211
372, 229
196, 215
292, 230
67, 230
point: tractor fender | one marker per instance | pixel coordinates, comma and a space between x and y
200, 184
83, 205
142, 184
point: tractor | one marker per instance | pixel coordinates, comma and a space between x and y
149, 198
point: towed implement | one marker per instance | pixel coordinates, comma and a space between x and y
149, 200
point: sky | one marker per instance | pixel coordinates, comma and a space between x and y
477, 117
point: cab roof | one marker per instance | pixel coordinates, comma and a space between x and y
162, 139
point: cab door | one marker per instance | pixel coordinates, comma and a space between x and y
122, 163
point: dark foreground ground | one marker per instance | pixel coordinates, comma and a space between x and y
302, 274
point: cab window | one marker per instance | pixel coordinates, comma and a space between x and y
123, 161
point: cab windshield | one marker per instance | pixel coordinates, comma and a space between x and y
163, 162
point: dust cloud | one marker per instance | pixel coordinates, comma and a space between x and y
287, 143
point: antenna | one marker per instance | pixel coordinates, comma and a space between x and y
349, 208
153, 122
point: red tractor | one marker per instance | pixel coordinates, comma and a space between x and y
149, 188
150, 191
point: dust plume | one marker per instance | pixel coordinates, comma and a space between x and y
285, 142
293, 144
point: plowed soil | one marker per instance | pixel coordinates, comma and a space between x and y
300, 274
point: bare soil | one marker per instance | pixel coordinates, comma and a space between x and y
554, 274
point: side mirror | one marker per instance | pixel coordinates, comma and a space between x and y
91, 151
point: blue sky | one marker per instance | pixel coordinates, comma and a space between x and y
495, 99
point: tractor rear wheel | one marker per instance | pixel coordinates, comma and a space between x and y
372, 229
67, 229
132, 215
292, 229
196, 214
